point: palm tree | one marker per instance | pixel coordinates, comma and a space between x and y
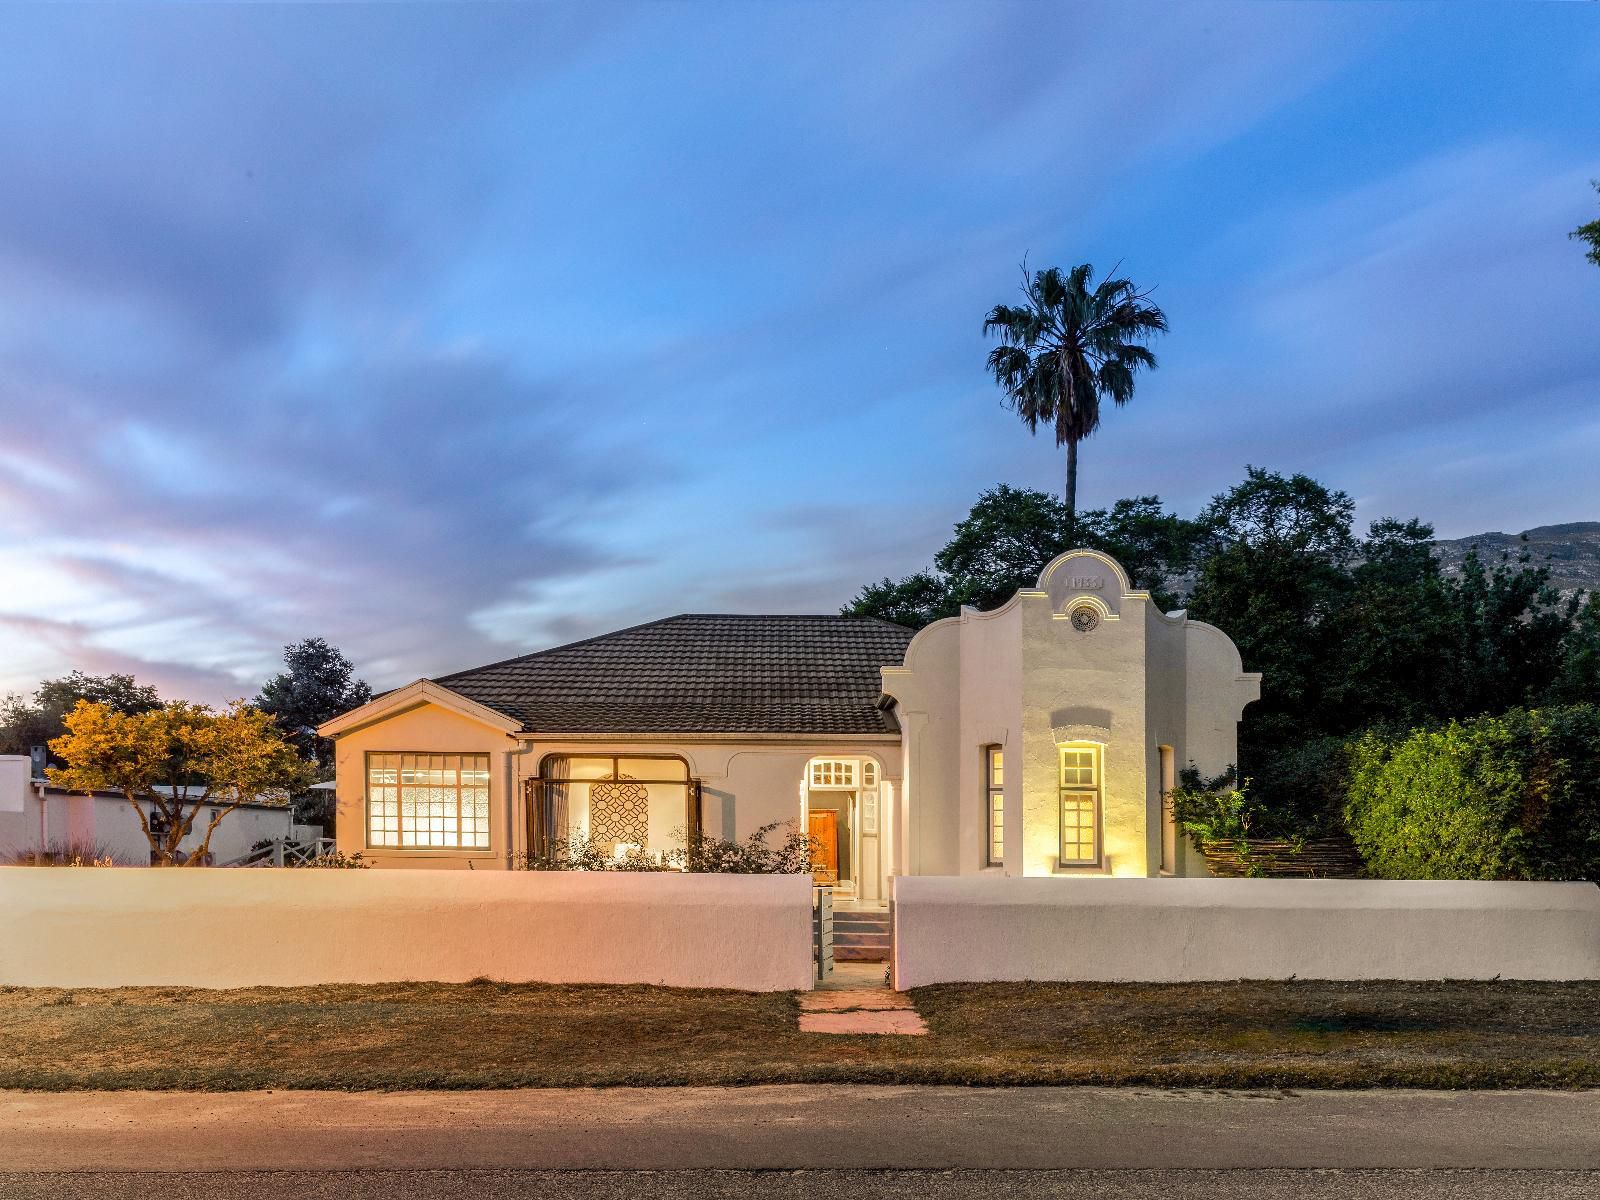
1066, 348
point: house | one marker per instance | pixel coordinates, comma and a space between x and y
36, 815
1038, 738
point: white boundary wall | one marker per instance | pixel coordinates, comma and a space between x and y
219, 928
969, 928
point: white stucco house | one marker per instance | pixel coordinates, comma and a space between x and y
1035, 739
35, 815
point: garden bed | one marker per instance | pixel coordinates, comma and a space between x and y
1311, 858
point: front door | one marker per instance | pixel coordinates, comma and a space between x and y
823, 826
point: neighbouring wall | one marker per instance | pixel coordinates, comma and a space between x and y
976, 929
111, 927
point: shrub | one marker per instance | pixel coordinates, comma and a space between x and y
699, 855
1515, 796
334, 860
65, 854
753, 856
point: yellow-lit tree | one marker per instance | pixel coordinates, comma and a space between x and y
171, 762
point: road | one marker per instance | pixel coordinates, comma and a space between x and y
940, 1143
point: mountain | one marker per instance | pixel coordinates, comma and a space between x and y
1572, 552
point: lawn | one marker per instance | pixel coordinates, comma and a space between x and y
475, 1035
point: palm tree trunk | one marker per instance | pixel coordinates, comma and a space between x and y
1072, 492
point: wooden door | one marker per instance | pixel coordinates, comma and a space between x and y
823, 826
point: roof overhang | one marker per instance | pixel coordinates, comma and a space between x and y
414, 695
701, 736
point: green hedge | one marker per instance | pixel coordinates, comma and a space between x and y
1515, 796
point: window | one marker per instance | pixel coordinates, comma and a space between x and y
994, 802
1080, 806
618, 804
833, 772
428, 801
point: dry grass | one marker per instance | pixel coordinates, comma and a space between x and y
486, 1034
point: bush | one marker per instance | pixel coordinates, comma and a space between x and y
65, 854
334, 860
1515, 796
699, 855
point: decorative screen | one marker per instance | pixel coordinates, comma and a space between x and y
619, 812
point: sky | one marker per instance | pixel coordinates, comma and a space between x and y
450, 333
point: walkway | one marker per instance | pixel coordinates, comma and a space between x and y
856, 998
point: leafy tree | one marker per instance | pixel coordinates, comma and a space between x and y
1394, 633
1511, 632
25, 724
1008, 537
1590, 232
1274, 573
914, 601
1579, 678
1065, 348
170, 762
319, 684
1002, 545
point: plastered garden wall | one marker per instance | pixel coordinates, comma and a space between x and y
1169, 930
219, 928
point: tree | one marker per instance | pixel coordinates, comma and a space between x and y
1007, 538
170, 762
1590, 233
319, 685
1068, 346
24, 725
1274, 576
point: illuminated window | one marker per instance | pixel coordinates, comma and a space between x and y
833, 772
428, 801
1080, 806
994, 802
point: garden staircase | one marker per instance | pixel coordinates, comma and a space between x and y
862, 935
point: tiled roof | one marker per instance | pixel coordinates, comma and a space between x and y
701, 674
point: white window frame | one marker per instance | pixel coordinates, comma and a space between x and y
994, 804
469, 836
1076, 794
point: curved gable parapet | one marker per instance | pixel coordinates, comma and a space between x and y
923, 638
1226, 658
1086, 574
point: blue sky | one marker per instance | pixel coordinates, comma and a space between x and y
451, 332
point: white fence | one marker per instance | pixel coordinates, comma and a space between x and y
111, 927
950, 929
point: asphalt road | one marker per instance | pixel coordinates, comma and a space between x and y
810, 1185
667, 1143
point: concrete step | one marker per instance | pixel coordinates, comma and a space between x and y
860, 939
860, 953
862, 920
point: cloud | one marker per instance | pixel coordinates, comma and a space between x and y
450, 332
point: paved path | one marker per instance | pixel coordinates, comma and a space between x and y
846, 1127
855, 999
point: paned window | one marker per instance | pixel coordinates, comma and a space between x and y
1080, 806
994, 802
833, 772
428, 801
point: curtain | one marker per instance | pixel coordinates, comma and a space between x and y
555, 769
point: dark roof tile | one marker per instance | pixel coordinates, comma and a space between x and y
701, 673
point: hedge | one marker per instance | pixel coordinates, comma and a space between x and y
1515, 796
